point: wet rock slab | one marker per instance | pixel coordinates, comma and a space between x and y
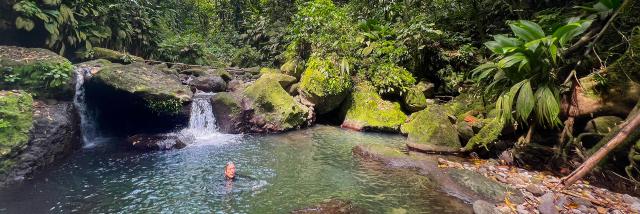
145, 142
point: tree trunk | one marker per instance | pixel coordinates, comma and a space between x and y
588, 165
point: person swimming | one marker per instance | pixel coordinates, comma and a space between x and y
230, 171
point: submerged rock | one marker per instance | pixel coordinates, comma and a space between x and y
52, 132
39, 71
324, 84
364, 109
332, 206
430, 130
144, 142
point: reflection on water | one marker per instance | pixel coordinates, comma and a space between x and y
277, 174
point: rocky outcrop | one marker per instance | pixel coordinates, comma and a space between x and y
464, 184
324, 84
364, 109
431, 130
53, 133
262, 107
208, 83
39, 71
137, 98
144, 142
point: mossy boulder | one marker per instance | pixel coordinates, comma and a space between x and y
162, 93
431, 130
16, 111
266, 70
364, 109
36, 70
487, 134
274, 109
262, 107
138, 98
293, 67
602, 125
414, 100
284, 80
324, 84
112, 55
427, 88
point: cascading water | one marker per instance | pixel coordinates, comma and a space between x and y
202, 123
88, 127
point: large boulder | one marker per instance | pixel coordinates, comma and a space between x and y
40, 71
137, 98
364, 109
263, 106
293, 67
324, 84
208, 83
37, 134
284, 80
431, 130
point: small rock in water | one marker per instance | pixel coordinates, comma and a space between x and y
547, 204
144, 142
483, 207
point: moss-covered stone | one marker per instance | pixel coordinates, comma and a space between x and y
414, 100
274, 109
464, 103
602, 125
39, 71
162, 93
364, 109
431, 130
113, 56
488, 134
266, 70
324, 84
15, 122
284, 80
293, 68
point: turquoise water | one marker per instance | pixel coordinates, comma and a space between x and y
278, 174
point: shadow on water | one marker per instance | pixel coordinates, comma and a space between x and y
277, 174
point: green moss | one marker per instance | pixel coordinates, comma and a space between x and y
488, 134
627, 66
293, 68
324, 84
266, 70
365, 109
39, 71
390, 79
430, 129
284, 80
16, 115
278, 109
464, 103
167, 105
228, 100
414, 100
113, 56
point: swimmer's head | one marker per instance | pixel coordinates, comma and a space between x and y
230, 170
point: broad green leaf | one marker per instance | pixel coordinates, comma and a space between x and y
527, 30
24, 23
525, 101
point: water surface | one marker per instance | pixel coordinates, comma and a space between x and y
278, 174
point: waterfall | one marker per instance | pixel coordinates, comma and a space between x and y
202, 123
88, 128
